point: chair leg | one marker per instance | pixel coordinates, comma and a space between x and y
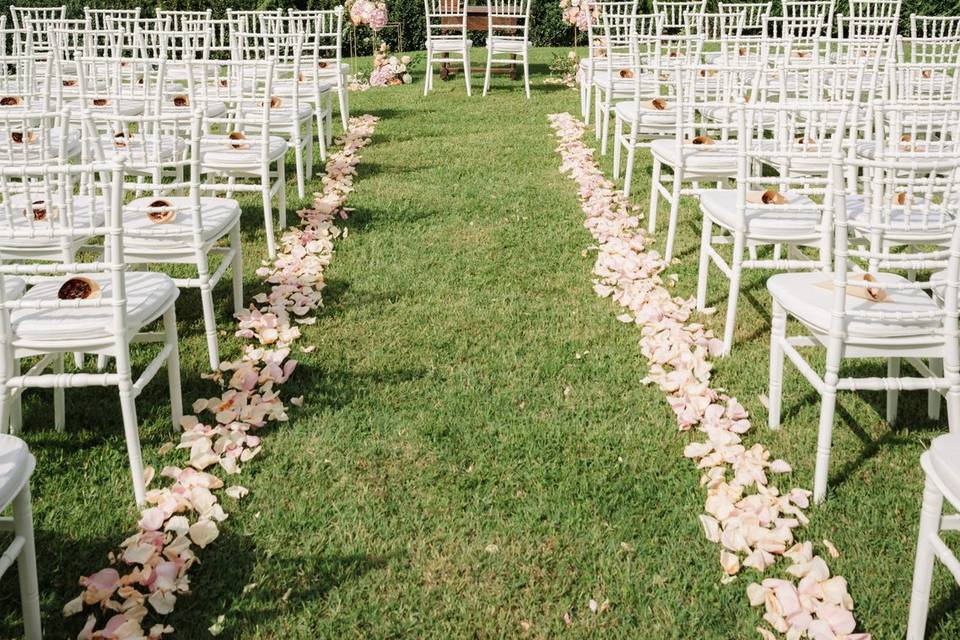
128, 409
15, 407
703, 271
466, 69
308, 148
654, 197
828, 406
282, 194
268, 217
428, 71
27, 564
934, 399
59, 411
596, 113
486, 74
236, 268
628, 171
526, 74
344, 106
893, 395
930, 513
209, 318
605, 133
778, 333
298, 164
674, 213
617, 149
732, 297
587, 100
173, 366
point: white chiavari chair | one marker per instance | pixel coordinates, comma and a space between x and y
91, 307
630, 71
242, 146
293, 114
323, 64
867, 308
793, 39
942, 484
16, 467
175, 224
702, 149
443, 19
508, 33
597, 49
791, 210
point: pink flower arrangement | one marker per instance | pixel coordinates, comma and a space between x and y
151, 570
576, 13
753, 523
368, 12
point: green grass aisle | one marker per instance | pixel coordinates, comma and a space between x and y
476, 456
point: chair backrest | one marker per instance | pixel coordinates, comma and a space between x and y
804, 9
595, 25
753, 13
97, 18
21, 15
323, 34
32, 138
247, 21
874, 9
712, 29
509, 18
788, 193
934, 39
115, 85
675, 12
186, 20
924, 82
445, 16
907, 189
157, 146
174, 44
873, 28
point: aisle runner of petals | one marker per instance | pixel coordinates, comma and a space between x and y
754, 524
151, 569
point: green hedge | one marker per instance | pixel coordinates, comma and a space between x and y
547, 28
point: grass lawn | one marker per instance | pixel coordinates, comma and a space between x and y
476, 456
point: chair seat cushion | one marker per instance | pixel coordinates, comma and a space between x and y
507, 45
448, 44
14, 150
220, 152
122, 106
148, 296
139, 145
16, 466
282, 116
803, 298
811, 163
697, 159
88, 212
646, 115
775, 223
217, 217
944, 454
213, 108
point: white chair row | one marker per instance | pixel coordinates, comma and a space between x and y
508, 34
